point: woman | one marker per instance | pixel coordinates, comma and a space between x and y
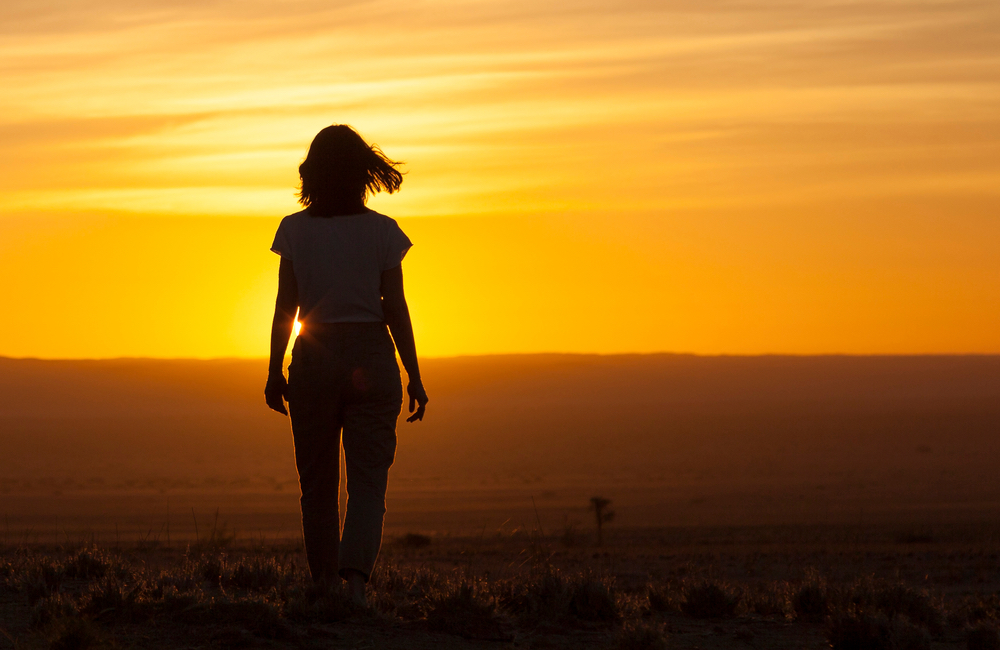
341, 270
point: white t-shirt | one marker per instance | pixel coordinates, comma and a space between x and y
338, 263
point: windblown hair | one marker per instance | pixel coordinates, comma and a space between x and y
341, 170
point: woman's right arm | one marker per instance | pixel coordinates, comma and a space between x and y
285, 307
397, 317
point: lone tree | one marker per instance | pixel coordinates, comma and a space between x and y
600, 507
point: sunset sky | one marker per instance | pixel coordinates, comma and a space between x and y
708, 176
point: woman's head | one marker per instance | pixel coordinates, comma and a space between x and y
341, 169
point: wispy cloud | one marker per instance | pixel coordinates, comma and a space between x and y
127, 95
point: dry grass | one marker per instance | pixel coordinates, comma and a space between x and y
515, 589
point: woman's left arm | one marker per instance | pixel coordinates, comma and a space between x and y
285, 307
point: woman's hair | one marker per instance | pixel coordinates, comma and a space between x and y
341, 169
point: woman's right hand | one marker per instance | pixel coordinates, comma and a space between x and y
418, 400
275, 392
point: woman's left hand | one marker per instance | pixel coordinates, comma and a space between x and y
275, 392
418, 400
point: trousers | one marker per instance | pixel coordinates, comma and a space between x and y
343, 380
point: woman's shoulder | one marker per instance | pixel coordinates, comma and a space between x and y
296, 216
385, 223
291, 221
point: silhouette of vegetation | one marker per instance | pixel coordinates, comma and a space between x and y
811, 601
522, 588
599, 506
593, 600
641, 636
709, 600
415, 540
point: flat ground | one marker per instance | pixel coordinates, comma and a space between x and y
752, 587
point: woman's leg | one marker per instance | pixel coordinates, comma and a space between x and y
369, 449
317, 416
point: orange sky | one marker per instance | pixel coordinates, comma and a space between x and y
694, 176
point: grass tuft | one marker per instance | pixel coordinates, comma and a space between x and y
640, 637
769, 600
468, 613
811, 601
592, 600
709, 600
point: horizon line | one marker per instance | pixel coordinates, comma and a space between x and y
264, 359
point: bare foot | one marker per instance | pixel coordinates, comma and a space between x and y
356, 587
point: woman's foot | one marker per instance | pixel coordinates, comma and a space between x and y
356, 587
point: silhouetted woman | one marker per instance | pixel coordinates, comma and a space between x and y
341, 270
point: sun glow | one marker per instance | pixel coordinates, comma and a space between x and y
794, 177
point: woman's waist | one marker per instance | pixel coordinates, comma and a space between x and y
312, 328
346, 337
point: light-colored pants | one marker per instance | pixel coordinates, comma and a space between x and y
343, 376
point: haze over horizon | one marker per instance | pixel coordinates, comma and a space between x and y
699, 177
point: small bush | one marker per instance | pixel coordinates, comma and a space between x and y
709, 600
41, 580
86, 565
210, 569
415, 540
466, 613
769, 600
811, 601
51, 609
917, 606
592, 600
254, 574
663, 599
896, 600
640, 637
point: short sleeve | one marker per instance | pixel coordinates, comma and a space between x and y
397, 245
281, 245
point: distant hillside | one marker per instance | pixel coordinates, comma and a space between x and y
915, 430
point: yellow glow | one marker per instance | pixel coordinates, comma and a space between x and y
296, 328
794, 177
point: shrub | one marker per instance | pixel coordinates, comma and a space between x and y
254, 574
466, 613
769, 600
592, 600
640, 637
51, 609
86, 565
415, 540
114, 599
709, 600
810, 601
662, 599
895, 600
